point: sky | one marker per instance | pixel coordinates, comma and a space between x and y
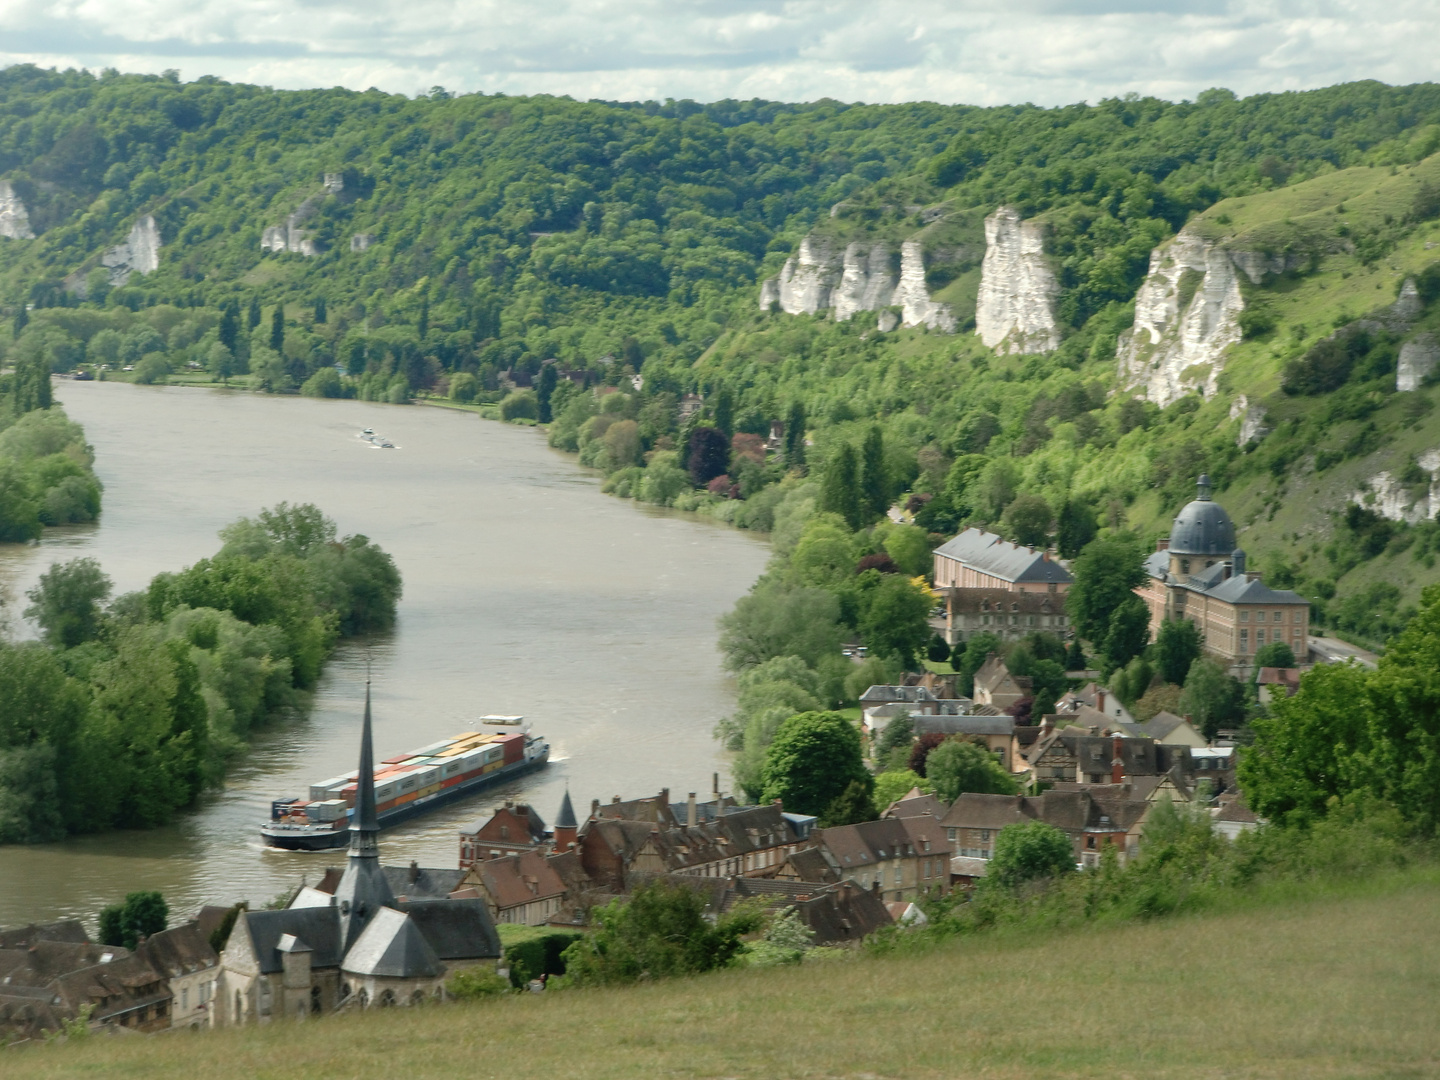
983, 52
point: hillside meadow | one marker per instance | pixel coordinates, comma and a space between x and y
1334, 981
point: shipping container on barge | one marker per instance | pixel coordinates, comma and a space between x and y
409, 785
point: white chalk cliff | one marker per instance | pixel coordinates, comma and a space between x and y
1252, 421
820, 277
139, 254
14, 218
1391, 499
1187, 313
1418, 358
1015, 309
291, 237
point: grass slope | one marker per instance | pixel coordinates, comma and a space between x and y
1315, 986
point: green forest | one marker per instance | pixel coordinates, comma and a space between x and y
131, 706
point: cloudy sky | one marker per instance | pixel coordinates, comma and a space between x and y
978, 51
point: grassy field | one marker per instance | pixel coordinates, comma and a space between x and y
1340, 984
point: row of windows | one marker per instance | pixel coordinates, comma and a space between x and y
1278, 616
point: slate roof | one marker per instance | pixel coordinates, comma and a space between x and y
391, 945
976, 811
515, 880
318, 927
38, 964
419, 883
178, 951
836, 913
996, 556
1242, 590
565, 819
1159, 726
1202, 527
916, 804
456, 929
964, 725
63, 930
876, 695
810, 864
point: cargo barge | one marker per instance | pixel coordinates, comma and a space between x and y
409, 785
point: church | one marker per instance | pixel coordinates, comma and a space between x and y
1198, 573
359, 946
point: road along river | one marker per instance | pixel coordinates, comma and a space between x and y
526, 591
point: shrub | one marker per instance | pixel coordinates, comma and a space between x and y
520, 405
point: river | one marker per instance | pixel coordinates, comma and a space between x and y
527, 592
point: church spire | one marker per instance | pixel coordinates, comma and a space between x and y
365, 825
363, 889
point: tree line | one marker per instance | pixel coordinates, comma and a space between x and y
130, 707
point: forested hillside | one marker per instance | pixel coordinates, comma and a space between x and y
345, 243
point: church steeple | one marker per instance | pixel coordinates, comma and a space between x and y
363, 889
567, 830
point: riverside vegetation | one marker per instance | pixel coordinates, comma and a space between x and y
129, 708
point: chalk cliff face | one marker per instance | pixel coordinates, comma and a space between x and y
916, 307
1391, 499
1418, 358
1252, 421
820, 277
139, 254
866, 281
14, 218
1187, 313
1015, 310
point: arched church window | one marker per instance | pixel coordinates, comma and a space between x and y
387, 999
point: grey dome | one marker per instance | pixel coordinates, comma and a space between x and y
1202, 527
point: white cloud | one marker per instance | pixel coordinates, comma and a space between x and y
979, 51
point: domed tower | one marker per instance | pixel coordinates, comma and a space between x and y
1201, 535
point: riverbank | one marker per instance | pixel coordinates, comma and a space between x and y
1316, 986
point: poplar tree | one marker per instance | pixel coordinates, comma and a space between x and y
252, 317
725, 412
840, 492
277, 329
229, 330
874, 484
795, 436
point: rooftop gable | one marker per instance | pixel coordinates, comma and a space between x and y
998, 557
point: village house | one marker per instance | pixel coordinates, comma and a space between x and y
899, 858
1006, 614
1198, 573
837, 913
997, 733
1093, 696
994, 685
512, 828
748, 841
1094, 820
1276, 682
524, 888
190, 966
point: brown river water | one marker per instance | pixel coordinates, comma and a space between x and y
527, 592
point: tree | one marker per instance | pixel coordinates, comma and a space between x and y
519, 405
545, 390
725, 411
1030, 851
852, 806
874, 477
1076, 528
1129, 630
229, 329
895, 784
795, 436
1106, 572
898, 735
1212, 697
1028, 519
143, 914
277, 329
252, 314
220, 361
839, 490
707, 455
321, 315
776, 619
65, 604
896, 618
1275, 654
938, 650
958, 766
977, 651
910, 548
660, 931
1177, 646
814, 757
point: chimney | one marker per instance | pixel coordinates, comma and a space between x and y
715, 784
414, 874
1237, 560
1163, 544
509, 804
1100, 698
594, 808
1117, 763
691, 813
665, 796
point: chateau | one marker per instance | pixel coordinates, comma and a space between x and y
1198, 573
991, 586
